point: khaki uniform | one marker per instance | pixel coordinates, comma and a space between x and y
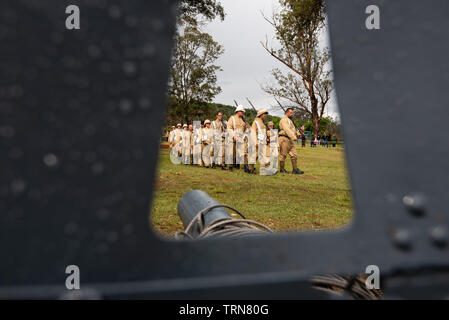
207, 138
186, 146
177, 139
287, 136
259, 138
177, 136
273, 149
196, 146
245, 144
170, 138
176, 146
219, 142
191, 147
236, 128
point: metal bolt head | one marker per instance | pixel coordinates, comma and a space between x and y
439, 236
416, 203
402, 238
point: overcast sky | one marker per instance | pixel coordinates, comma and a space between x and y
246, 65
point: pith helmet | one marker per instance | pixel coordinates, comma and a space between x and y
261, 112
240, 108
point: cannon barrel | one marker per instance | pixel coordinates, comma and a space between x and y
193, 202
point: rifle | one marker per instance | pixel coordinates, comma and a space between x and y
251, 104
246, 122
225, 126
280, 105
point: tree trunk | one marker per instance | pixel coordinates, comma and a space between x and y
315, 115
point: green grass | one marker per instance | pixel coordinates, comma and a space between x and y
319, 199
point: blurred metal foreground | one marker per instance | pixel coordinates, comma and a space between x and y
80, 118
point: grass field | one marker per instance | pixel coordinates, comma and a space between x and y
319, 199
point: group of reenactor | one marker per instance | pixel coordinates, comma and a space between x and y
232, 143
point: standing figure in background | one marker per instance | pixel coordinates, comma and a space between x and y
236, 128
259, 138
177, 139
246, 145
197, 143
186, 148
207, 136
287, 139
191, 144
219, 127
334, 142
170, 136
273, 142
176, 145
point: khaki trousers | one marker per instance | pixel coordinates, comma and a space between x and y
287, 146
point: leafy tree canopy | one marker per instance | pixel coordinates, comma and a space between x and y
208, 9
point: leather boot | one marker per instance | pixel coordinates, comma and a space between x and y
295, 167
282, 165
294, 164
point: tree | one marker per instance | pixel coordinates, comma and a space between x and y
300, 115
334, 127
330, 125
209, 9
193, 72
307, 85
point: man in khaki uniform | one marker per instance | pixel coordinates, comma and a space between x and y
170, 136
207, 138
236, 128
196, 144
259, 139
287, 139
191, 144
176, 146
246, 145
273, 149
219, 140
177, 137
186, 138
